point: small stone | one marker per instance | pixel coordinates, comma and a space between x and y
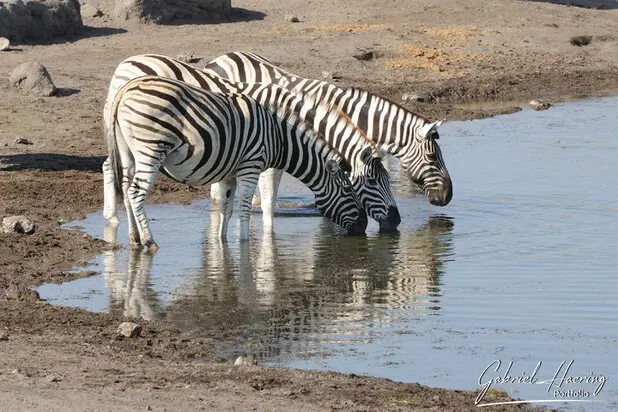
88, 10
4, 338
15, 371
291, 18
52, 378
539, 105
185, 57
22, 140
412, 97
18, 224
5, 44
249, 360
129, 329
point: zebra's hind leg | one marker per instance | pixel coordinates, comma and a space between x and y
246, 185
269, 186
109, 193
128, 172
142, 182
227, 189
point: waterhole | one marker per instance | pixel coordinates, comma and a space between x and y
520, 268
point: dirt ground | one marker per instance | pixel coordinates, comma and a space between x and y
468, 59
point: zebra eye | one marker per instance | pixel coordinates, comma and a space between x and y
372, 182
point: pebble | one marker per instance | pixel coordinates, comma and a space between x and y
539, 105
291, 18
22, 140
52, 378
88, 10
248, 360
412, 97
4, 338
185, 57
129, 329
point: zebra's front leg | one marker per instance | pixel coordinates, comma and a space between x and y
216, 194
269, 186
245, 186
109, 194
227, 189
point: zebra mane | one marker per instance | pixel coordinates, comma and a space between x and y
333, 111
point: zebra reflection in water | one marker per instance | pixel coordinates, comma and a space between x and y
277, 295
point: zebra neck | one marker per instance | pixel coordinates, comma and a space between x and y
389, 125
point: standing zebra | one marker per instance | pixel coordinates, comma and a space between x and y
371, 180
197, 137
405, 135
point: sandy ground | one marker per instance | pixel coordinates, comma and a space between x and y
469, 59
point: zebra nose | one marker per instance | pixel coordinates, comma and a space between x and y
392, 220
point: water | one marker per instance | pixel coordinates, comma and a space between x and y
520, 267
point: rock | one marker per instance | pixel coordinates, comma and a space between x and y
32, 78
3, 338
5, 44
412, 97
18, 224
88, 10
22, 140
185, 57
39, 19
330, 76
52, 378
249, 360
21, 293
539, 105
166, 11
291, 18
129, 329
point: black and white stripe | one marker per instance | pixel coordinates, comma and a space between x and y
398, 131
197, 137
370, 178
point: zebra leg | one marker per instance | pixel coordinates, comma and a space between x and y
227, 188
142, 182
246, 185
269, 186
215, 193
109, 194
128, 172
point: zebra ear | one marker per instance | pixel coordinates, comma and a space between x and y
426, 131
366, 154
333, 167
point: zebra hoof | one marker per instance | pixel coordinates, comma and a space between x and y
151, 248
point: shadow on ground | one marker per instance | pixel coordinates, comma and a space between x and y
50, 162
591, 4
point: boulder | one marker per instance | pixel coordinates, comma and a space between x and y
32, 78
167, 11
5, 44
18, 224
88, 10
39, 19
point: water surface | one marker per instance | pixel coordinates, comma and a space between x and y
520, 267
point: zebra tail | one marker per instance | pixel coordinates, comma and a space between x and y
112, 142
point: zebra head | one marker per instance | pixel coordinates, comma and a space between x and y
372, 186
338, 201
424, 165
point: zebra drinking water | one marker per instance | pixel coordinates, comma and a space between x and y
371, 181
197, 137
399, 132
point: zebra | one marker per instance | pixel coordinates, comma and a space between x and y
198, 137
408, 136
372, 184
